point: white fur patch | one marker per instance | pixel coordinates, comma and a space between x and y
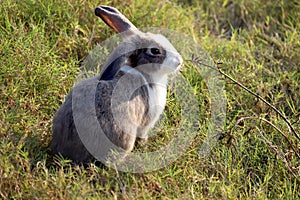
158, 80
157, 92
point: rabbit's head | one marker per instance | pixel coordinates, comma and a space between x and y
151, 54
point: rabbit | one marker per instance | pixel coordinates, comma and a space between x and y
128, 96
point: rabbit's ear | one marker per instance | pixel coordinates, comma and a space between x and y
113, 18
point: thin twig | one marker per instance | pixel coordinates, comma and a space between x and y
277, 151
273, 125
291, 128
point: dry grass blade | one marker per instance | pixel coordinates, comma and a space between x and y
274, 126
277, 151
291, 128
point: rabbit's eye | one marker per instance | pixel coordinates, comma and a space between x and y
154, 51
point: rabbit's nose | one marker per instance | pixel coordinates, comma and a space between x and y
177, 59
180, 60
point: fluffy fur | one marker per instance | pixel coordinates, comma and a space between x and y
124, 111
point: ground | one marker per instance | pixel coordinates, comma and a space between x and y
257, 43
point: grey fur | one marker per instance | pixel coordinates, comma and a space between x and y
122, 119
65, 138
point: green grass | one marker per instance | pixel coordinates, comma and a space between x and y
42, 44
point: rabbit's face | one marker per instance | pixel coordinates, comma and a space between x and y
153, 54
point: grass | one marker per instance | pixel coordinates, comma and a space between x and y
42, 44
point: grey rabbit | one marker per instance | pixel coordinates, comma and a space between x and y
129, 94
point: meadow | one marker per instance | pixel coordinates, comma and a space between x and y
256, 43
